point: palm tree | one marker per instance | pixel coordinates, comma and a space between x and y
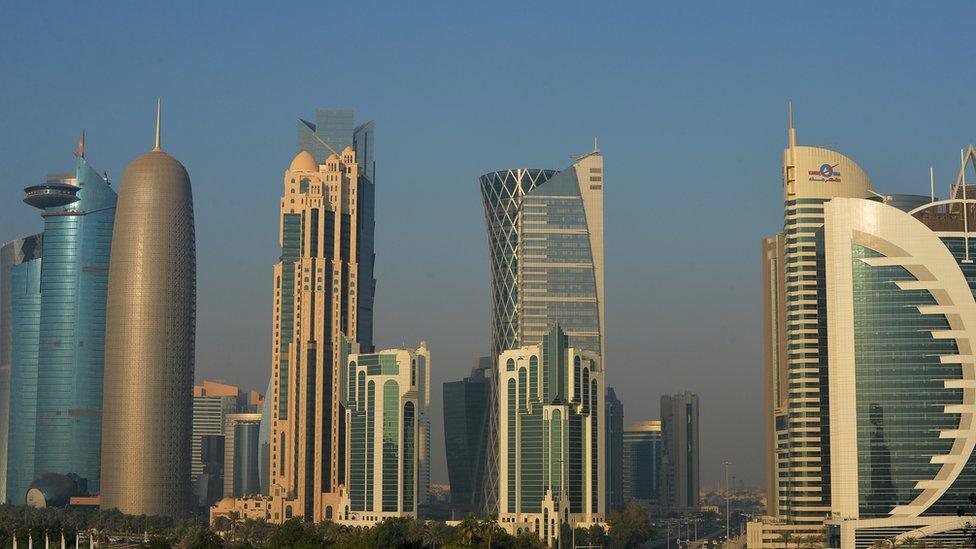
469, 528
785, 536
489, 527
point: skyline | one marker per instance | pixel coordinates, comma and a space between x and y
722, 154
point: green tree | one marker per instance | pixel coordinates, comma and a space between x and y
200, 537
469, 532
630, 526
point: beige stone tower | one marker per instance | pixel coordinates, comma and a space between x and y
315, 314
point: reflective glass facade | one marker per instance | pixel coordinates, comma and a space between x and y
25, 325
614, 445
545, 248
901, 392
541, 250
642, 462
11, 254
552, 433
74, 286
465, 408
381, 397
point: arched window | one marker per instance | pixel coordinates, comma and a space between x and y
351, 380
328, 512
409, 456
533, 377
576, 378
522, 381
510, 365
586, 390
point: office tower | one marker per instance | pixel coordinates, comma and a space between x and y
642, 462
615, 449
212, 402
545, 250
774, 367
901, 319
242, 455
383, 399
78, 211
323, 294
149, 343
679, 451
209, 484
12, 254
551, 434
796, 422
25, 326
465, 408
333, 131
264, 441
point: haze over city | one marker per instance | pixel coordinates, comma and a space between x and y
687, 103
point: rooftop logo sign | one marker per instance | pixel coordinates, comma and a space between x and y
826, 174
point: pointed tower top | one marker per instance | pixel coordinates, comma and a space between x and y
158, 146
80, 150
789, 107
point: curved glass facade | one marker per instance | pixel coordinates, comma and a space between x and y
74, 285
899, 384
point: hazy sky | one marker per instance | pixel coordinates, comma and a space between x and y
688, 102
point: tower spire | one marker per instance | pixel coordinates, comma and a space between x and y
80, 150
158, 146
792, 129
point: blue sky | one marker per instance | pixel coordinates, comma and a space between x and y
688, 101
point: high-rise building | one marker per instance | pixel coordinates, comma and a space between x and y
12, 254
149, 345
213, 402
795, 340
78, 220
209, 484
383, 395
615, 451
323, 295
59, 390
465, 408
242, 457
901, 326
774, 367
264, 441
679, 451
25, 326
545, 249
642, 462
552, 441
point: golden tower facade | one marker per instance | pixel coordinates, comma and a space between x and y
316, 305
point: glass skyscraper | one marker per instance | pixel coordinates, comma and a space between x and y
642, 462
383, 395
59, 402
551, 437
545, 250
901, 324
12, 254
615, 451
25, 324
465, 405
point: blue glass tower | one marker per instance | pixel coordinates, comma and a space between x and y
25, 319
78, 214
